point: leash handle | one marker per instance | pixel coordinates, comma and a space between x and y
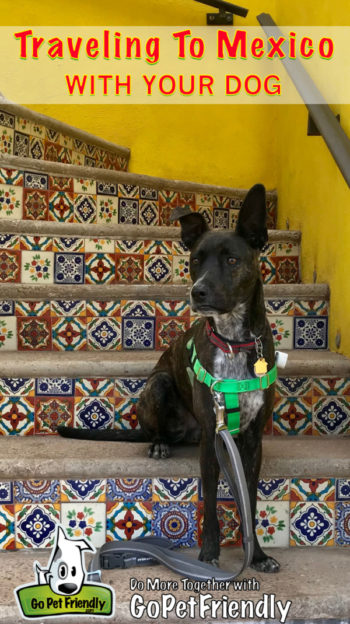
147, 551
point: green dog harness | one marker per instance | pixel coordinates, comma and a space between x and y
230, 388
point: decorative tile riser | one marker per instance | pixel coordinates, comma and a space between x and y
44, 197
62, 260
303, 406
290, 512
133, 325
28, 139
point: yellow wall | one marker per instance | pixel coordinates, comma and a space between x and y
313, 195
210, 144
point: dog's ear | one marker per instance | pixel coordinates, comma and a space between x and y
193, 225
251, 224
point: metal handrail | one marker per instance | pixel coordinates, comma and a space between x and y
326, 122
225, 7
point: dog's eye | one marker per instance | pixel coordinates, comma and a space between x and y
195, 260
62, 570
232, 260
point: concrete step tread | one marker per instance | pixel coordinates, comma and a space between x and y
53, 457
61, 126
115, 231
315, 580
140, 291
309, 363
105, 175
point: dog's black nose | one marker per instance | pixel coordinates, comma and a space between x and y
68, 588
199, 293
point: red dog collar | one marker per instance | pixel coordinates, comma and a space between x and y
226, 345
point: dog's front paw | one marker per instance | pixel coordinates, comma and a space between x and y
269, 565
159, 450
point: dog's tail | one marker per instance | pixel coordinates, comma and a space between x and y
118, 435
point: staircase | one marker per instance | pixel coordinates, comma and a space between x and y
95, 284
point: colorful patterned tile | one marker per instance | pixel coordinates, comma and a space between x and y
129, 386
331, 386
107, 209
85, 521
168, 200
173, 308
128, 520
279, 306
7, 527
38, 181
71, 244
10, 201
103, 334
179, 248
35, 204
149, 212
94, 387
52, 412
273, 489
36, 525
7, 308
128, 211
54, 386
204, 199
9, 241
94, 413
187, 200
37, 491
221, 218
68, 308
6, 140
229, 523
158, 247
33, 333
99, 268
17, 415
294, 386
181, 270
129, 489
207, 214
38, 130
310, 332
233, 219
342, 524
128, 190
20, 386
272, 523
176, 521
8, 333
287, 249
51, 151
287, 269
107, 188
23, 125
292, 416
138, 309
331, 416
65, 141
129, 268
167, 330
84, 186
138, 333
103, 308
126, 413
20, 144
282, 331
61, 206
36, 243
312, 524
61, 184
185, 490
52, 135
7, 120
312, 490
99, 245
129, 246
342, 490
36, 148
69, 334
37, 267
83, 490
311, 308
268, 270
85, 209
6, 492
69, 268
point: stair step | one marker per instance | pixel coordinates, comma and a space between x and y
53, 457
100, 196
31, 134
314, 598
90, 364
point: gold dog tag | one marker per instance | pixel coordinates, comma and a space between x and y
260, 367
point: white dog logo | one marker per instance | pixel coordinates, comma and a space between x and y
66, 571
